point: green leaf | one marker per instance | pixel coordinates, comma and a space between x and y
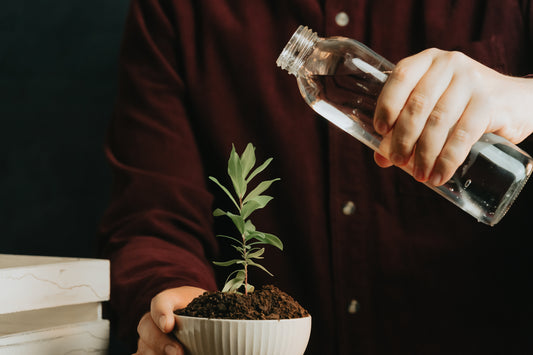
256, 254
251, 263
228, 237
260, 236
235, 173
250, 288
237, 220
225, 190
261, 200
254, 204
218, 212
234, 284
258, 170
228, 263
273, 240
265, 238
238, 248
259, 189
248, 159
248, 227
248, 208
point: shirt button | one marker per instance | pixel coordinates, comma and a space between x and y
348, 208
353, 307
342, 19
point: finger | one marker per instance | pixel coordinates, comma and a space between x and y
467, 131
381, 156
165, 303
153, 341
418, 107
143, 349
445, 114
397, 89
381, 161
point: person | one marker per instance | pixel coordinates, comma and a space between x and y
382, 263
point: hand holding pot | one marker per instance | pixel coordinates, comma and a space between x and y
156, 324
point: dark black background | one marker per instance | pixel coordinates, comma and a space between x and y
58, 68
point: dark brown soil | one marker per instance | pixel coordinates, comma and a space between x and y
267, 303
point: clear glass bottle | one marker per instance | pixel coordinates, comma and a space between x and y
341, 79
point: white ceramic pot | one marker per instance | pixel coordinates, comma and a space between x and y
203, 336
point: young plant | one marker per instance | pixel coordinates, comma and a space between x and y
250, 240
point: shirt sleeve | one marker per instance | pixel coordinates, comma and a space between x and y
157, 231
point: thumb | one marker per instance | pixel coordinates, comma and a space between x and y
166, 302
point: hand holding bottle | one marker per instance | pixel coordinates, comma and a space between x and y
436, 104
433, 114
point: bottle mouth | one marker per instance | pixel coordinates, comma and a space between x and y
293, 56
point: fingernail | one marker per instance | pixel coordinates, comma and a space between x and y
419, 174
162, 322
171, 350
381, 127
435, 179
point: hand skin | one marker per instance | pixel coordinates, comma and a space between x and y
437, 104
154, 326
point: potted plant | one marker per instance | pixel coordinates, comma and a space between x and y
239, 319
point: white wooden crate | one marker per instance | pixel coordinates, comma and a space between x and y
53, 305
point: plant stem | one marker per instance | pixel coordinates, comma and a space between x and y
245, 266
244, 252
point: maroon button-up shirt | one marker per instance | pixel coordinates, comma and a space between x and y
197, 76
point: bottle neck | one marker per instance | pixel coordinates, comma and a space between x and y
293, 56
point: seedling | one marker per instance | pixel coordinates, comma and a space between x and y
249, 243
